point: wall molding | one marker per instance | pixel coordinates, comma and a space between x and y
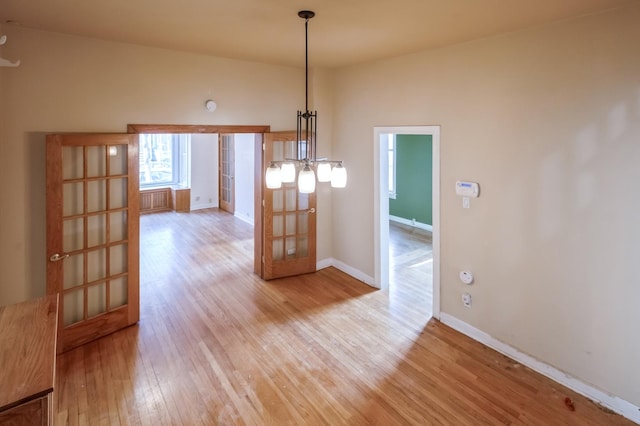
612, 402
245, 219
202, 206
355, 273
409, 222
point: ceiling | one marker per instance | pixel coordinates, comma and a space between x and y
344, 32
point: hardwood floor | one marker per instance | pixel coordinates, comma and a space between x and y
216, 345
411, 264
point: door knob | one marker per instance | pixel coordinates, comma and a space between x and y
57, 258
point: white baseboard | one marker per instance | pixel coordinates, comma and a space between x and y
245, 219
614, 403
418, 225
355, 273
203, 206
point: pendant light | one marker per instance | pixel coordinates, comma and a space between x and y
280, 172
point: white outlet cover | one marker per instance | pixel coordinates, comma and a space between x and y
466, 277
466, 300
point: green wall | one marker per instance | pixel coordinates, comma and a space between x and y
414, 165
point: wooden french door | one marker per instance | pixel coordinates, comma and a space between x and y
288, 217
227, 172
93, 234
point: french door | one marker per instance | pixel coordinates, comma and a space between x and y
93, 234
288, 216
227, 172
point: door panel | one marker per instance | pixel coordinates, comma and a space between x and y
227, 173
92, 234
289, 221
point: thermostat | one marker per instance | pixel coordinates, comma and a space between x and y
467, 189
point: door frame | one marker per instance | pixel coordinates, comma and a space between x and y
381, 205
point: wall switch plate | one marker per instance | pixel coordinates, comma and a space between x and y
466, 300
466, 203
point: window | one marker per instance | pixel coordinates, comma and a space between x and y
161, 159
391, 144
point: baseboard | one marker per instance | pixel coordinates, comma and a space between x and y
245, 219
614, 403
404, 221
355, 273
203, 206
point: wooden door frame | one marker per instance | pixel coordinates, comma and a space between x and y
258, 130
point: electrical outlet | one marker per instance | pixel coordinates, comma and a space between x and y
466, 300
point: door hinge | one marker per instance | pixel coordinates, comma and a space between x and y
262, 203
264, 147
262, 259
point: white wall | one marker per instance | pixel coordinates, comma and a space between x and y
244, 145
548, 122
204, 171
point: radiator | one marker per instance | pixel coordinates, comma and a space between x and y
155, 200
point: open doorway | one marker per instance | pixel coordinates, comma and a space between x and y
203, 184
382, 156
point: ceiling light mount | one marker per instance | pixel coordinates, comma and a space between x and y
306, 14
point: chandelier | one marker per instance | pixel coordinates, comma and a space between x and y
333, 171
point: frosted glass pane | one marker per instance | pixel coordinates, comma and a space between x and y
278, 151
96, 230
72, 162
96, 264
72, 199
118, 193
96, 196
72, 235
303, 201
73, 271
96, 161
303, 247
118, 292
291, 224
278, 196
303, 223
117, 226
290, 199
291, 247
117, 160
118, 259
278, 249
96, 299
290, 150
73, 307
278, 226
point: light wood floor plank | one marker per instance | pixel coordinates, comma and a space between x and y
216, 345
